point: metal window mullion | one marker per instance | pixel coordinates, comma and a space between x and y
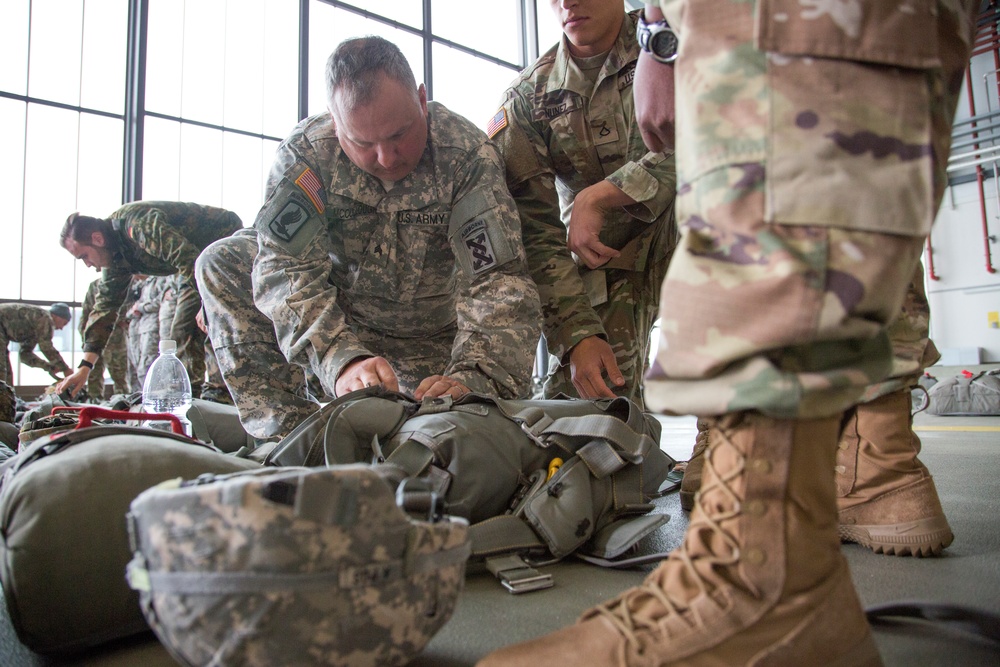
135, 100
428, 38
303, 109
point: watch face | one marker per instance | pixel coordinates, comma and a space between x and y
663, 44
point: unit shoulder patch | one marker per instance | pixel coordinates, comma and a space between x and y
480, 248
289, 221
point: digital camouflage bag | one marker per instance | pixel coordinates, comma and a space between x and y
542, 477
294, 566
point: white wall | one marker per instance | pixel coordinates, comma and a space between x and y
966, 293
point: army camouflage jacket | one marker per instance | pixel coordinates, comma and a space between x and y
559, 133
156, 238
441, 251
30, 326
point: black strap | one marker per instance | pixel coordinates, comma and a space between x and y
979, 622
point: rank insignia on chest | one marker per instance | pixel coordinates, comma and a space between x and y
497, 123
289, 221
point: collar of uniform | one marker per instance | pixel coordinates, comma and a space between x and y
567, 76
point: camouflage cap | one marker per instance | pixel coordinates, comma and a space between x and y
292, 566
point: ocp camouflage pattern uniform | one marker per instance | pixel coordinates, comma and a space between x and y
30, 326
912, 348
269, 392
781, 294
115, 355
144, 328
566, 125
159, 238
8, 403
430, 275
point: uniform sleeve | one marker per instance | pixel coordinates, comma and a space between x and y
111, 294
568, 315
651, 181
290, 278
497, 307
55, 361
158, 238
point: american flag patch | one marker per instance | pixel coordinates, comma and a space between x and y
497, 123
309, 183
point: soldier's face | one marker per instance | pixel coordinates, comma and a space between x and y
387, 137
591, 26
96, 257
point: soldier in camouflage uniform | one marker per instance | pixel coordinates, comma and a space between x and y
811, 145
150, 237
269, 392
30, 326
144, 327
390, 248
115, 355
578, 169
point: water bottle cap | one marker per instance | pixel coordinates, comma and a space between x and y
167, 345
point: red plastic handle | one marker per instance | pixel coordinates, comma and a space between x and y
87, 416
66, 408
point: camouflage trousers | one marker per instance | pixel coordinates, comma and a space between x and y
912, 348
628, 317
269, 392
114, 359
799, 233
143, 348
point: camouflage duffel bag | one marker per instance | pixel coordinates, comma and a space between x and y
294, 566
63, 536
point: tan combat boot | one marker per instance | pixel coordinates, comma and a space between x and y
759, 579
886, 499
691, 481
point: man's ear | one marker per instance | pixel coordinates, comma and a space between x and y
97, 239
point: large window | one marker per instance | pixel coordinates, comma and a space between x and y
106, 101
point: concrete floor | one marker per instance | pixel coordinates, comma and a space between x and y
963, 454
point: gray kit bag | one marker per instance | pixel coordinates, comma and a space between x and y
491, 460
63, 538
293, 566
971, 394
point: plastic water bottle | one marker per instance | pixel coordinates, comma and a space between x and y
167, 388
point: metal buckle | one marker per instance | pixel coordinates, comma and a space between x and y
517, 576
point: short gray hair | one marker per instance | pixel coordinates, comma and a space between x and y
355, 66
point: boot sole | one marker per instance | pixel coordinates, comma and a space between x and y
923, 537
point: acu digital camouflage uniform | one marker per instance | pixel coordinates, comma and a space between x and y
430, 275
144, 327
780, 296
115, 355
30, 326
561, 129
269, 392
159, 238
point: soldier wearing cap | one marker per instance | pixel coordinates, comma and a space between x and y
390, 248
156, 238
597, 208
30, 326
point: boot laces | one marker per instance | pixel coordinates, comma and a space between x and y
692, 554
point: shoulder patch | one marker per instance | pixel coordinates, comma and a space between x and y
497, 123
478, 245
310, 184
289, 221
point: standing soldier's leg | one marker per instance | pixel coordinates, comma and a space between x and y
886, 498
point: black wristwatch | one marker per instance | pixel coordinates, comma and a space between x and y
657, 39
85, 364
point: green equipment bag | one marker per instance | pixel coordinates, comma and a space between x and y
553, 477
63, 539
295, 566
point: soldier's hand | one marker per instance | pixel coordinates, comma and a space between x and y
590, 207
436, 386
588, 361
366, 372
74, 382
